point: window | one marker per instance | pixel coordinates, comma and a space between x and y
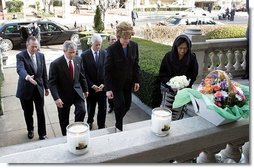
12, 29
53, 28
43, 27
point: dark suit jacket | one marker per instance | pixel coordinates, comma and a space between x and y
119, 68
94, 73
25, 67
60, 83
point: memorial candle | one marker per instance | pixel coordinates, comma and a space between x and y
78, 136
161, 119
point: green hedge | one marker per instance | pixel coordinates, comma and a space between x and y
227, 32
150, 56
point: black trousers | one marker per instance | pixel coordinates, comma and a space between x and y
101, 99
28, 108
133, 21
64, 113
122, 103
111, 104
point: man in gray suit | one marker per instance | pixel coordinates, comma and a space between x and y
68, 85
32, 82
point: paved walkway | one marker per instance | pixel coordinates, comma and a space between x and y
12, 123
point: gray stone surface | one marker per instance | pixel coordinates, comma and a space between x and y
139, 145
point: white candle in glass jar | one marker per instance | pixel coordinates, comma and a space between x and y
78, 136
161, 121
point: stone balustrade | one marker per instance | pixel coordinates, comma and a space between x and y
189, 138
222, 54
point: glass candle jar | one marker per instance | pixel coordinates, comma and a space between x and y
161, 120
78, 136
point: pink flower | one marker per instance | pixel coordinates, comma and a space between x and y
218, 104
216, 87
218, 94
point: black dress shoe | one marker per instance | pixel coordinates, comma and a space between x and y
30, 134
110, 110
101, 127
90, 126
43, 137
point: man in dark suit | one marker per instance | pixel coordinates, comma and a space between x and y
134, 16
32, 82
122, 71
93, 63
68, 85
36, 32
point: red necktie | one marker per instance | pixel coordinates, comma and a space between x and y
71, 69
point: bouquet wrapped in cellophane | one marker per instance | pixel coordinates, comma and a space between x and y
223, 91
217, 99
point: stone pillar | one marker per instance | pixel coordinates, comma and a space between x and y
147, 2
66, 8
129, 5
232, 152
199, 47
206, 157
137, 2
246, 151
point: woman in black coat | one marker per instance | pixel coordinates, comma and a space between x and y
177, 62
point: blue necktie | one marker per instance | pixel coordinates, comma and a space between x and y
96, 57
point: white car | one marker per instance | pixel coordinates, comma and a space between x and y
188, 20
193, 11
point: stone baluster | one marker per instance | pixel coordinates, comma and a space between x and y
232, 151
238, 58
222, 59
244, 59
206, 157
231, 57
246, 151
205, 68
213, 57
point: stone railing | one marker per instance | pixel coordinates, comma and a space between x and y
222, 54
189, 138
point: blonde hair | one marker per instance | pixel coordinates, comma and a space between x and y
124, 29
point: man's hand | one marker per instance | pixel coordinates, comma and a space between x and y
109, 94
30, 78
86, 94
59, 103
101, 87
46, 92
95, 88
136, 87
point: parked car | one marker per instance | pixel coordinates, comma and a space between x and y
15, 33
193, 11
188, 20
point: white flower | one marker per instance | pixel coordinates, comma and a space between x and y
178, 82
224, 93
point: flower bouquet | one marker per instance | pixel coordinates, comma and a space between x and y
218, 99
223, 91
178, 82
